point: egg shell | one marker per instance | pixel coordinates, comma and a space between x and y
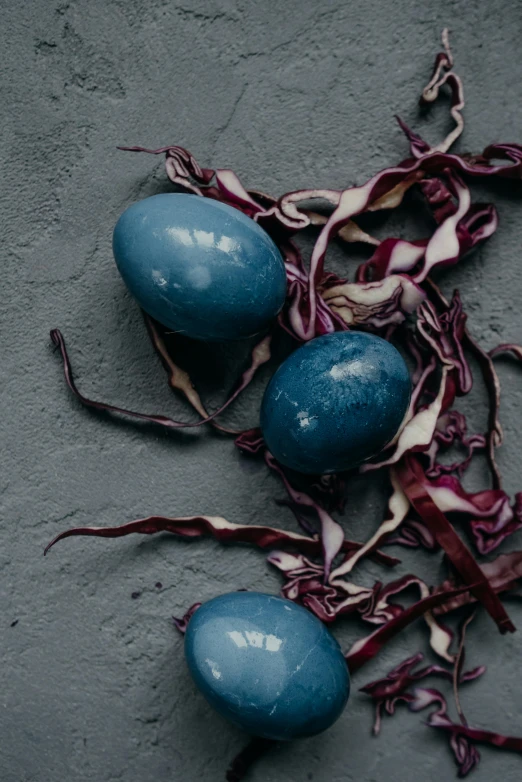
335, 402
267, 665
200, 267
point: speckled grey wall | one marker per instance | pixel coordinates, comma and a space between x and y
92, 683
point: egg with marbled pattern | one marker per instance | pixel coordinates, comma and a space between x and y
335, 402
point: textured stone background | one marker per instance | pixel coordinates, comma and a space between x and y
93, 684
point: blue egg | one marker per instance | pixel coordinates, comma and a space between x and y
200, 267
267, 665
336, 402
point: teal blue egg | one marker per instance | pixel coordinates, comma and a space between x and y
200, 267
267, 665
335, 402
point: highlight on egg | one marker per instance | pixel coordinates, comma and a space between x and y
200, 267
335, 402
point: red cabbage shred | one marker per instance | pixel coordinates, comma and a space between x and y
394, 296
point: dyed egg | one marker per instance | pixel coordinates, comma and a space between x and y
267, 665
336, 402
200, 267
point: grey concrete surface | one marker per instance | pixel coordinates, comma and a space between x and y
93, 686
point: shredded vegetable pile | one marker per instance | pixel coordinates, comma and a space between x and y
394, 296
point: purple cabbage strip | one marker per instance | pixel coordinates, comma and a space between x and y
392, 256
393, 688
501, 350
332, 534
181, 623
462, 736
439, 337
398, 687
442, 75
247, 757
411, 477
177, 379
349, 203
494, 433
331, 489
365, 649
442, 333
374, 304
251, 441
490, 516
413, 534
451, 429
225, 531
503, 573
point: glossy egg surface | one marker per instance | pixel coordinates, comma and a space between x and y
200, 267
267, 664
335, 402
